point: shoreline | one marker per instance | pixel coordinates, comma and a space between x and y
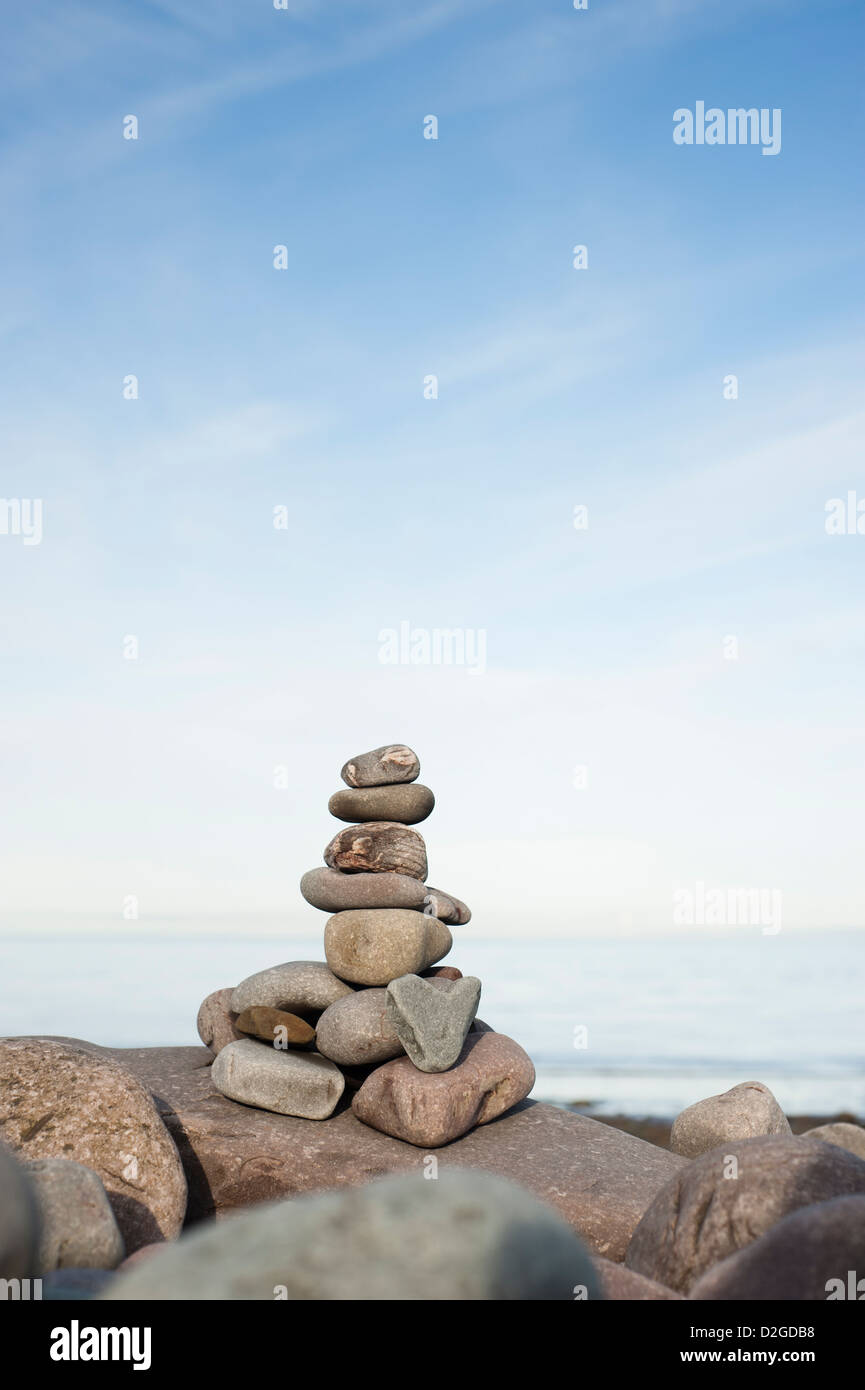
655, 1129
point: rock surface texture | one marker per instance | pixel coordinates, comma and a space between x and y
65, 1101
727, 1198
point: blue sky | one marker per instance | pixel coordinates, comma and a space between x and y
303, 388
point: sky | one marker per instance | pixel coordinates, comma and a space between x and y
250, 472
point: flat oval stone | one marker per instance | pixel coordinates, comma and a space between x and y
432, 1108
333, 891
298, 987
357, 1030
405, 802
431, 1018
394, 762
215, 1022
722, 1201
378, 847
58, 1100
440, 972
77, 1226
374, 947
275, 1026
744, 1112
288, 1083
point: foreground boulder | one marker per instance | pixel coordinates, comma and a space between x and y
808, 1256
744, 1112
461, 1236
78, 1229
600, 1179
68, 1100
19, 1220
727, 1198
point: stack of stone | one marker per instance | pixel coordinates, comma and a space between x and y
380, 1017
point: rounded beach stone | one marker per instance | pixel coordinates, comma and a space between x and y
357, 1030
405, 802
60, 1101
19, 1220
807, 1256
333, 891
845, 1136
432, 1018
298, 987
465, 1237
374, 947
432, 1108
275, 1026
392, 763
378, 847
215, 1023
744, 1112
287, 1083
78, 1229
720, 1202
438, 972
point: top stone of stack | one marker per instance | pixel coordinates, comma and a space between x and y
383, 788
382, 767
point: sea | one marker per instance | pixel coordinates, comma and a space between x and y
615, 1025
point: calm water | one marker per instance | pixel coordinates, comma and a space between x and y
667, 1021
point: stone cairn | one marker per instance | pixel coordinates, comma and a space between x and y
379, 1016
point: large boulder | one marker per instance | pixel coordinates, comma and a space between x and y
65, 1099
731, 1196
600, 1179
461, 1236
810, 1255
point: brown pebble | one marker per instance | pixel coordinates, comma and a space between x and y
263, 1022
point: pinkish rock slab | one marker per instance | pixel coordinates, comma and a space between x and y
599, 1178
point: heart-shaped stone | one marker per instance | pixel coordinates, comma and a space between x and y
431, 1018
